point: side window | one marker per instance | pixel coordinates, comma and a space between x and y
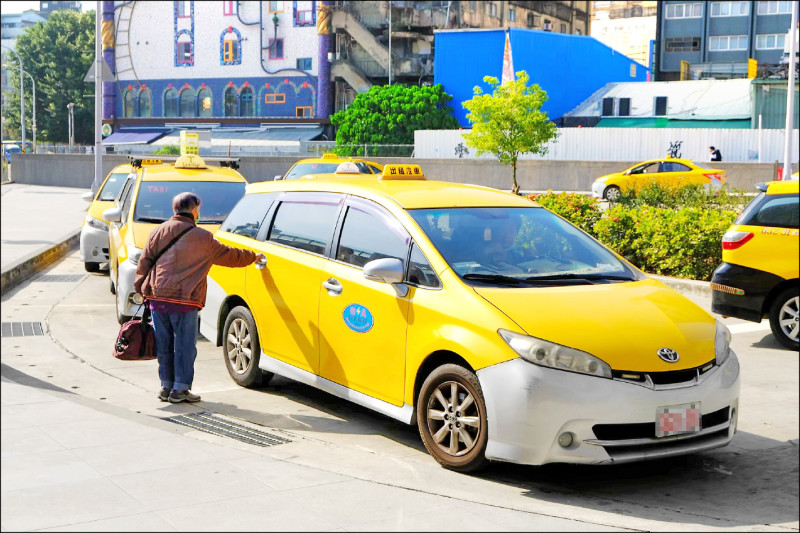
778, 211
671, 166
369, 234
112, 187
248, 215
305, 225
126, 198
420, 271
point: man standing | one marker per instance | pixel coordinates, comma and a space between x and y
715, 155
175, 289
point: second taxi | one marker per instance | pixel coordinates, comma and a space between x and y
498, 328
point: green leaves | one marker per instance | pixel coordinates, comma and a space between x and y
389, 114
509, 122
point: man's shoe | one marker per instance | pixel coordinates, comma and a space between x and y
164, 394
178, 396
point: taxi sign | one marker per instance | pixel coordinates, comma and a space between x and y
189, 143
402, 172
190, 161
330, 156
151, 161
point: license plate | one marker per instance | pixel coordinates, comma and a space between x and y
678, 419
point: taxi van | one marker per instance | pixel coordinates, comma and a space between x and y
94, 230
326, 164
758, 276
146, 201
668, 171
497, 327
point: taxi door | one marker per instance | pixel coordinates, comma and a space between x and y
675, 174
117, 250
363, 322
284, 296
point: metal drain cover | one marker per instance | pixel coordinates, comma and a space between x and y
60, 277
227, 427
22, 329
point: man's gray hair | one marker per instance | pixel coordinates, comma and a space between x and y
185, 202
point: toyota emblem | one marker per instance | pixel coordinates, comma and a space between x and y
668, 354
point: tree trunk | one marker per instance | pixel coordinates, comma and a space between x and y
515, 188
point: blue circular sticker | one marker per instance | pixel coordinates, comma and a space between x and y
358, 318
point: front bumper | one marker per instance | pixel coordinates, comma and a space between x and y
529, 406
94, 245
755, 284
597, 189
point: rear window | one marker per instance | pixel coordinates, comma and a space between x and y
304, 169
112, 187
248, 215
772, 210
154, 203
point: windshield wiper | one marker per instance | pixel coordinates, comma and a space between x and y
494, 278
154, 220
586, 278
210, 221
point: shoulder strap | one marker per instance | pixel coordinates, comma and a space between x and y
173, 241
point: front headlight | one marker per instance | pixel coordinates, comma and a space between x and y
544, 353
96, 224
722, 343
134, 254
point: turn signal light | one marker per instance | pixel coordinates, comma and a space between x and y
714, 176
735, 239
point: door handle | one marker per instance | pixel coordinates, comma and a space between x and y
333, 286
262, 263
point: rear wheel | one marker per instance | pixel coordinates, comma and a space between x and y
611, 193
242, 349
92, 267
451, 416
784, 318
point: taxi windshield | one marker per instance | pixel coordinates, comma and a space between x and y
304, 169
154, 203
112, 187
511, 246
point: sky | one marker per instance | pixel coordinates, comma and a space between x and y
18, 6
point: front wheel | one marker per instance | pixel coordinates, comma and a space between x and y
784, 318
451, 416
611, 193
242, 349
91, 267
121, 318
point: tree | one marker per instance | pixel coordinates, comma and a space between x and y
57, 53
390, 114
509, 122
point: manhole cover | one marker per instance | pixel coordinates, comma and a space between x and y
226, 427
69, 278
22, 329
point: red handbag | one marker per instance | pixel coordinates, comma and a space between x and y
136, 340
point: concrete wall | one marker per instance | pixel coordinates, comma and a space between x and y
77, 170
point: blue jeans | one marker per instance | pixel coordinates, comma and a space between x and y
176, 337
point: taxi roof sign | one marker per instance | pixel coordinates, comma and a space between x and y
330, 156
402, 172
190, 161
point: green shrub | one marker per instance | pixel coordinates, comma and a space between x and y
581, 210
682, 243
168, 149
655, 194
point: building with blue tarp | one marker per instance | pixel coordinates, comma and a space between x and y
569, 67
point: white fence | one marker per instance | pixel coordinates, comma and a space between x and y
627, 144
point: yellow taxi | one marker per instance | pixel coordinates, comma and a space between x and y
669, 171
758, 276
145, 201
497, 327
328, 163
94, 230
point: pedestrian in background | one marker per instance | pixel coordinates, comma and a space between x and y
175, 289
715, 155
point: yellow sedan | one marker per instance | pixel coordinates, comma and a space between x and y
666, 171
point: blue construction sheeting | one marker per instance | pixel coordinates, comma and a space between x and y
569, 67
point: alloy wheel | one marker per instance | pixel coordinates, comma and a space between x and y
239, 349
453, 419
789, 318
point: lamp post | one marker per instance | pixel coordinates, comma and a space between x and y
33, 113
787, 136
70, 126
21, 98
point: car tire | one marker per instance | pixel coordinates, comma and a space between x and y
120, 317
92, 267
612, 193
242, 350
783, 317
443, 428
111, 286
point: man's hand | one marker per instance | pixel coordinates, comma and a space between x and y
260, 258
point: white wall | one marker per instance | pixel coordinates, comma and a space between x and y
628, 144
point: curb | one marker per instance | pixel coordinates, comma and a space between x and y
26, 267
690, 287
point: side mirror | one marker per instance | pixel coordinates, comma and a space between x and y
112, 214
89, 196
277, 178
387, 270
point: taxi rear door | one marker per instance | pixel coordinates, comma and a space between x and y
363, 322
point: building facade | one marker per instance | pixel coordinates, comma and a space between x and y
626, 26
716, 39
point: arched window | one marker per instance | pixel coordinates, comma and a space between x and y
145, 102
230, 42
171, 103
184, 49
129, 101
231, 102
204, 103
187, 102
248, 104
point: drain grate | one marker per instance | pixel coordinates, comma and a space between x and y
22, 329
61, 277
225, 427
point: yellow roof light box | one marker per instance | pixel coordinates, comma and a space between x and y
402, 172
